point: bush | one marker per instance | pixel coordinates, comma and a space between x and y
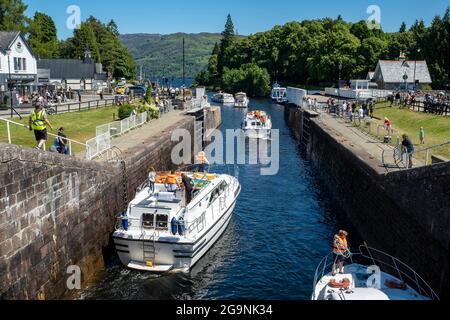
125, 111
152, 111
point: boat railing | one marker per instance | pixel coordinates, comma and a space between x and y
392, 265
386, 263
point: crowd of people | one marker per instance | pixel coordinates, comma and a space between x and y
436, 103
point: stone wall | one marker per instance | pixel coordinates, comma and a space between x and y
54, 212
404, 213
57, 211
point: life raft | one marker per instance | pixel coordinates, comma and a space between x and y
344, 284
395, 284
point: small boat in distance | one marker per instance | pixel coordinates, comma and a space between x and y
371, 275
224, 98
279, 94
217, 97
242, 101
162, 231
257, 125
228, 99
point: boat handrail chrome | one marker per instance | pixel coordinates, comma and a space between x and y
386, 263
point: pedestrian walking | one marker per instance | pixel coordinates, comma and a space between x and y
38, 122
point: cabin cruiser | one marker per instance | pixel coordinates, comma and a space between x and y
242, 101
218, 97
370, 275
224, 98
278, 94
257, 125
162, 232
228, 99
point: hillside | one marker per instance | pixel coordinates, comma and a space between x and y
162, 54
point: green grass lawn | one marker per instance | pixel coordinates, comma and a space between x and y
79, 126
437, 128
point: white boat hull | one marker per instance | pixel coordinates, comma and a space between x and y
257, 134
178, 253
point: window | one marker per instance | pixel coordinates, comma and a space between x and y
20, 64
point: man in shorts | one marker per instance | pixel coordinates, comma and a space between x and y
38, 123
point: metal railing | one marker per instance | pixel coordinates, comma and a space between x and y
10, 122
386, 263
105, 133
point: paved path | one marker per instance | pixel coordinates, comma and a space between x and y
151, 129
365, 146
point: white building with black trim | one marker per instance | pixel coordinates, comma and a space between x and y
18, 64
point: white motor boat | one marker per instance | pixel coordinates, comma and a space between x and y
279, 94
257, 125
218, 97
371, 275
242, 101
161, 232
228, 99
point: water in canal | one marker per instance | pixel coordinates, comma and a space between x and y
282, 228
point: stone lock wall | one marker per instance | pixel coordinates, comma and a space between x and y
57, 211
54, 212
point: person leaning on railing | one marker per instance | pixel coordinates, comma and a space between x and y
39, 122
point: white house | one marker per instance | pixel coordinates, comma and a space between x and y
18, 64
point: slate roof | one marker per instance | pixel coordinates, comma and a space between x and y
393, 71
6, 38
68, 68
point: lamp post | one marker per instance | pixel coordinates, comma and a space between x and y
339, 84
8, 53
415, 66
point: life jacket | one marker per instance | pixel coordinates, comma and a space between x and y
201, 158
171, 179
339, 245
37, 120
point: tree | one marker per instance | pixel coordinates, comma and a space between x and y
402, 27
113, 28
227, 40
43, 36
84, 39
250, 78
12, 16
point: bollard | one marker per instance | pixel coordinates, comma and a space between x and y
9, 132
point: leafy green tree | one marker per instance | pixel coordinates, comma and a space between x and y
12, 16
249, 78
83, 39
43, 36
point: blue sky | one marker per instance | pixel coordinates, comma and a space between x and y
249, 16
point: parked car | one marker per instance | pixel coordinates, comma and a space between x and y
137, 90
120, 90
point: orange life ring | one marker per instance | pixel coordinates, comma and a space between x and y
344, 284
393, 284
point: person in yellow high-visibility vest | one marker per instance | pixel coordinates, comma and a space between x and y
38, 123
202, 161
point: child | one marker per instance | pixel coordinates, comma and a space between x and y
422, 135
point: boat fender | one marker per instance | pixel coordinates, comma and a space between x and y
174, 225
344, 284
125, 222
181, 227
394, 284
